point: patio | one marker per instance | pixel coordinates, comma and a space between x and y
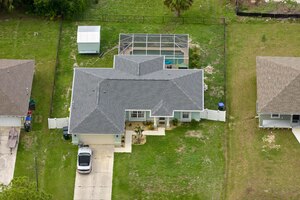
276, 124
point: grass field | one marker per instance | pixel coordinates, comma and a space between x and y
175, 166
200, 8
55, 158
253, 173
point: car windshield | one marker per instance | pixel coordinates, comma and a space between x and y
84, 159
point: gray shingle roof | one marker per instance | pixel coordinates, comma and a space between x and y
15, 80
278, 85
101, 96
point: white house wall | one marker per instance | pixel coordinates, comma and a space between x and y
10, 121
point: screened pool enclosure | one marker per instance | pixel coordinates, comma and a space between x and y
175, 47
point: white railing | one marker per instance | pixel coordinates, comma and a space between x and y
215, 115
54, 123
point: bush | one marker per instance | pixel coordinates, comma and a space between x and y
194, 123
151, 127
195, 58
147, 123
175, 122
52, 9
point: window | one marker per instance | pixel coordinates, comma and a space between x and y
185, 116
137, 114
275, 116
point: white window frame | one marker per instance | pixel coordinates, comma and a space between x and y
184, 119
275, 116
140, 115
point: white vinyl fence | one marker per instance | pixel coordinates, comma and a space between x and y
215, 115
54, 123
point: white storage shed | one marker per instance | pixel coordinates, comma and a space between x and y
88, 39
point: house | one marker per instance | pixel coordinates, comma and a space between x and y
16, 80
137, 88
175, 47
278, 91
88, 39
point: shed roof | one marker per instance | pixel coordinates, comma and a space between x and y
15, 86
101, 96
278, 85
88, 34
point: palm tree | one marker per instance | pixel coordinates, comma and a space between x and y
178, 5
139, 132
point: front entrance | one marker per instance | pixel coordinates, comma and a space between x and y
296, 119
161, 120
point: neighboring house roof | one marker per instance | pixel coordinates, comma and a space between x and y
101, 96
278, 85
88, 34
15, 86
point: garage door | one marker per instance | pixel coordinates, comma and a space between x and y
11, 121
97, 139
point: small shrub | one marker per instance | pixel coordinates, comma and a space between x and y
264, 38
195, 58
194, 123
175, 122
151, 127
147, 123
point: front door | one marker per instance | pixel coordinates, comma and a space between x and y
161, 120
296, 119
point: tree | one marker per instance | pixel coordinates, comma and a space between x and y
178, 5
21, 188
6, 4
139, 133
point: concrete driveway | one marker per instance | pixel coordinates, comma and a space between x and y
7, 158
97, 184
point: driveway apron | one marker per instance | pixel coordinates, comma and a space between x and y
98, 184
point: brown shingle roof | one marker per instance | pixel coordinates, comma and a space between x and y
15, 86
278, 85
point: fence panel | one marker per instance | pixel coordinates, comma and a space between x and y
54, 123
154, 19
215, 115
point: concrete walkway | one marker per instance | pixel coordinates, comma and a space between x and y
160, 132
7, 160
128, 139
296, 132
97, 184
128, 143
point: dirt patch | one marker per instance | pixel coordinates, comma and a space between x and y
206, 160
180, 149
196, 134
137, 142
193, 44
209, 69
217, 92
28, 140
270, 143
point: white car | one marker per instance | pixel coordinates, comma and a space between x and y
84, 160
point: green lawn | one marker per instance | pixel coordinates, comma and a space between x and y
200, 8
174, 166
253, 173
55, 157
